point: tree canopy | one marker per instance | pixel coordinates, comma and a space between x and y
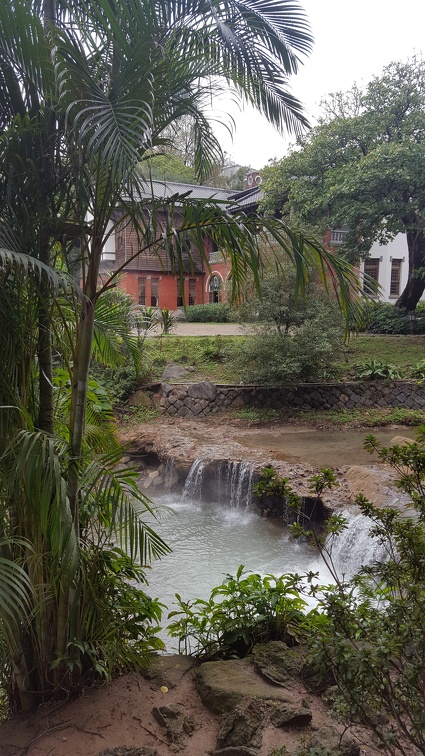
363, 167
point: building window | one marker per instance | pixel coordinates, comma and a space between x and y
192, 291
179, 294
337, 236
214, 289
395, 278
154, 292
141, 291
371, 269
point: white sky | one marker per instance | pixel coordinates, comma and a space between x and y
353, 41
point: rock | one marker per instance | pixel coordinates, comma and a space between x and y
400, 441
140, 399
168, 670
277, 662
328, 739
223, 684
244, 725
290, 716
129, 751
203, 390
176, 724
172, 371
179, 315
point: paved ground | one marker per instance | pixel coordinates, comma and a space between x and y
205, 329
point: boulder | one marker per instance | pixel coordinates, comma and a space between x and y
172, 371
203, 390
277, 662
176, 724
223, 684
140, 399
285, 715
244, 725
235, 751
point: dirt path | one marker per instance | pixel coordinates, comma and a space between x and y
205, 329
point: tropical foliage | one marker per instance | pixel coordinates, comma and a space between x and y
244, 610
87, 91
373, 645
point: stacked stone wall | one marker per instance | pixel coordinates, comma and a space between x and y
199, 399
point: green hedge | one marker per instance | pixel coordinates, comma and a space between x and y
208, 313
385, 318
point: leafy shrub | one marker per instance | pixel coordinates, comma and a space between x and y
209, 313
166, 320
303, 353
374, 370
385, 318
419, 370
244, 610
374, 638
295, 337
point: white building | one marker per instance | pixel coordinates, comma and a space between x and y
388, 264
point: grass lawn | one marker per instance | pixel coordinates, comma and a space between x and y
402, 351
208, 356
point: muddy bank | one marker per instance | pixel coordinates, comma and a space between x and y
296, 451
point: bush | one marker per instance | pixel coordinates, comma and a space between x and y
209, 313
374, 370
385, 318
302, 353
373, 640
244, 610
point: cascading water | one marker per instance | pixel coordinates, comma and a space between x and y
193, 484
212, 530
354, 547
229, 482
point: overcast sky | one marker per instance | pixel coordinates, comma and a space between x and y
353, 41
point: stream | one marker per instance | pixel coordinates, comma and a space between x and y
211, 539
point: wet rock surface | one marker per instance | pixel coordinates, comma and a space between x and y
176, 724
222, 685
278, 663
244, 725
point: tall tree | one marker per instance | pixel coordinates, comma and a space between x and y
363, 166
88, 90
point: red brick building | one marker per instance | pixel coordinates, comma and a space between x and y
148, 276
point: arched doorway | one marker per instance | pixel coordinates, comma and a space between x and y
214, 287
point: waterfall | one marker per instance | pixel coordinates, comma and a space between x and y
228, 483
354, 547
170, 475
193, 483
238, 484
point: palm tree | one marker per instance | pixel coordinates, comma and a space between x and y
86, 92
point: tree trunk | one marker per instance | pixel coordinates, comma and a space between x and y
415, 286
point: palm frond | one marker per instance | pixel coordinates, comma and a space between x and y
114, 497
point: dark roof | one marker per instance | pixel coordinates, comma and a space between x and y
248, 198
166, 189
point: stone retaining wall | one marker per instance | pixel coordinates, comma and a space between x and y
203, 398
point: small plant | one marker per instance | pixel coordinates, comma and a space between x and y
166, 320
374, 370
244, 610
419, 370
